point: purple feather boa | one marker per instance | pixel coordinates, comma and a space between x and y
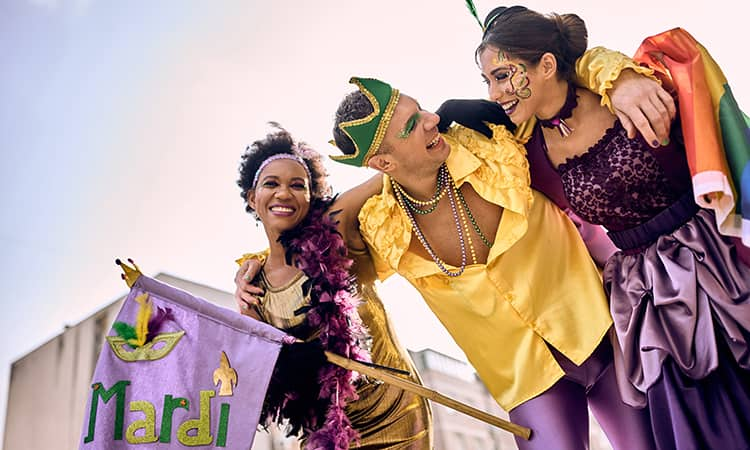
316, 406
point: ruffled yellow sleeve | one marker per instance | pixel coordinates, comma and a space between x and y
501, 172
261, 256
385, 229
599, 67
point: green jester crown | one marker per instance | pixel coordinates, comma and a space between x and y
367, 133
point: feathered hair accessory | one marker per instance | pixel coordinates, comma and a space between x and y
492, 16
473, 11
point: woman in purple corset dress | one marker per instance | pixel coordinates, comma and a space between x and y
679, 294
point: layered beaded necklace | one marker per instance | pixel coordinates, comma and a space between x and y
445, 185
424, 207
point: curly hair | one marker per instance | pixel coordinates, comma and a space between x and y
277, 142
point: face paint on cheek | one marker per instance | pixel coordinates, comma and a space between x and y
519, 82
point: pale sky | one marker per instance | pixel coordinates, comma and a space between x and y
122, 124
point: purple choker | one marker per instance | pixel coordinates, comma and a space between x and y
558, 121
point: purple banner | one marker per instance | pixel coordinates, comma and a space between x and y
177, 371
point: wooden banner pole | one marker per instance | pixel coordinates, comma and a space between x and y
429, 394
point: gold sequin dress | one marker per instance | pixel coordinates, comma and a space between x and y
385, 416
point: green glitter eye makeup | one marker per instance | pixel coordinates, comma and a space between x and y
409, 127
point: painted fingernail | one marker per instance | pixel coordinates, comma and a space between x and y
665, 141
654, 143
246, 278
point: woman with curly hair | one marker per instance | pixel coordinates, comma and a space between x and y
308, 291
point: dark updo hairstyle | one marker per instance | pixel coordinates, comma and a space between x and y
354, 106
527, 35
276, 142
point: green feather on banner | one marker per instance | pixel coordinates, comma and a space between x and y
473, 11
136, 335
125, 331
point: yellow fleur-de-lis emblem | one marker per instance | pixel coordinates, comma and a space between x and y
226, 375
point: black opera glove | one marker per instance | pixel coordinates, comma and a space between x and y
473, 114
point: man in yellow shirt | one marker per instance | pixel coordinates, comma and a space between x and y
502, 268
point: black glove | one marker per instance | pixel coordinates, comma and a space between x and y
297, 371
473, 114
301, 357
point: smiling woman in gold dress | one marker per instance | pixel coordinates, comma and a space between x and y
284, 186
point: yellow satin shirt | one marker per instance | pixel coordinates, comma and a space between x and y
538, 287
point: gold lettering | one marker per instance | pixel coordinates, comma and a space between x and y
148, 424
202, 425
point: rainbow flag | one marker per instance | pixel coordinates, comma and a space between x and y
716, 131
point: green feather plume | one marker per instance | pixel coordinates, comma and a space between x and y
125, 331
473, 11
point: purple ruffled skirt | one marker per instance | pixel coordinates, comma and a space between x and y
680, 301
